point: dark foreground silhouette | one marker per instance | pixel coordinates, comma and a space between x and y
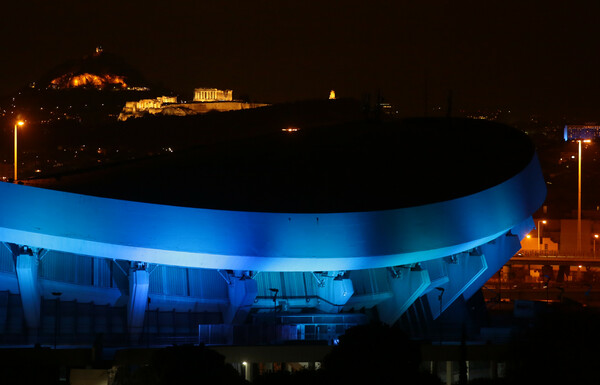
181, 365
368, 354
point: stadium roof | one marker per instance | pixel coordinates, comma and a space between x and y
360, 166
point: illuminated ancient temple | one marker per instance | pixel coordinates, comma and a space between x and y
205, 100
212, 95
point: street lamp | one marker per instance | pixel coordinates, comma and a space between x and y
539, 228
19, 123
595, 237
579, 196
245, 367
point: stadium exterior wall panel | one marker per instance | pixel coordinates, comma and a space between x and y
221, 239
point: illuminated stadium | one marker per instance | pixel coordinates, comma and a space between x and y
288, 235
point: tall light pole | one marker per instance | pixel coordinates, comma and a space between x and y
595, 237
539, 228
19, 123
579, 197
579, 200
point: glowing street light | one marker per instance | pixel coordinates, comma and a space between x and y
246, 371
19, 123
539, 229
595, 237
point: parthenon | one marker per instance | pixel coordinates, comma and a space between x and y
212, 95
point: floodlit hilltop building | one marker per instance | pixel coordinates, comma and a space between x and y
205, 100
143, 106
212, 95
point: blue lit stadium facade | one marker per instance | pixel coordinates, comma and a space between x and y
77, 266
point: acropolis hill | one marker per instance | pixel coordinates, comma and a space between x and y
205, 100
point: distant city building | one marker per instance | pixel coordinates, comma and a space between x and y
560, 235
212, 95
532, 243
581, 131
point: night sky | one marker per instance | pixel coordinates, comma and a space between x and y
534, 57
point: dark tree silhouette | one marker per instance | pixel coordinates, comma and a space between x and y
35, 366
182, 365
376, 354
561, 347
301, 377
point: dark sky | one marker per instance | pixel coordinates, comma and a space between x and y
534, 56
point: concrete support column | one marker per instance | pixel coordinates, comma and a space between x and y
497, 253
138, 299
334, 291
449, 372
242, 292
407, 285
27, 263
461, 270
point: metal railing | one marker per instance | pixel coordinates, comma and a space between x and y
558, 254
